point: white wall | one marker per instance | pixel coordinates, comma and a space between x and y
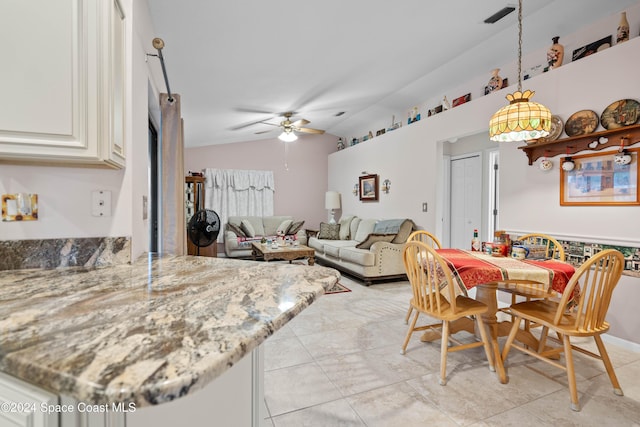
411, 158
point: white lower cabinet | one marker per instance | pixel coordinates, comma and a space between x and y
64, 82
234, 399
23, 405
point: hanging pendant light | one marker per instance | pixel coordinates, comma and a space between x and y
522, 119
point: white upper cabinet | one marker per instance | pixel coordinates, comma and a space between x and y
63, 79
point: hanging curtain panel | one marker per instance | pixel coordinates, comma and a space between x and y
232, 192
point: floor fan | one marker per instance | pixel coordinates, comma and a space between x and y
203, 228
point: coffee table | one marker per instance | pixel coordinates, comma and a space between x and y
287, 253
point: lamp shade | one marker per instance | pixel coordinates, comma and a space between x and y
332, 200
287, 136
520, 120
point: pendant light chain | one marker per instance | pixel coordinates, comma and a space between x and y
519, 45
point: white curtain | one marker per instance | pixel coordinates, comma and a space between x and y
232, 192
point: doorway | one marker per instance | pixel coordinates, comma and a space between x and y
153, 188
466, 199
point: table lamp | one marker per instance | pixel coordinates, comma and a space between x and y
332, 202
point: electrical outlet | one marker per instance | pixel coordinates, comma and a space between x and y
145, 208
101, 203
424, 207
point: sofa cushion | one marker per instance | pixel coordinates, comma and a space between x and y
362, 257
235, 229
333, 247
247, 227
329, 231
364, 229
295, 227
270, 224
284, 227
353, 227
372, 238
405, 230
345, 227
316, 244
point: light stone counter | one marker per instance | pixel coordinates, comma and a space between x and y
145, 333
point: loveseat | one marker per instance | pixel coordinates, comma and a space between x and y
240, 231
368, 249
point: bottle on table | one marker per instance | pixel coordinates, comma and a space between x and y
475, 242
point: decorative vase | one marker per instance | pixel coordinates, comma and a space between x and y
623, 29
340, 144
555, 55
495, 82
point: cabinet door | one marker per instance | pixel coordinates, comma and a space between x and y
22, 403
63, 82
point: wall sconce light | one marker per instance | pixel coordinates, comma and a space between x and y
356, 189
386, 186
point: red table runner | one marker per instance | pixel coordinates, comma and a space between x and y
475, 268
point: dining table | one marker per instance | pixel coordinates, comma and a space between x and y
474, 269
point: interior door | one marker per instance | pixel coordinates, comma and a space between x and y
466, 199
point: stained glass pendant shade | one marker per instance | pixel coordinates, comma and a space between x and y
522, 119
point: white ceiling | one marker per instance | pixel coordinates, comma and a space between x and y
237, 62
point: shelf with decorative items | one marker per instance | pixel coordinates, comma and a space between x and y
596, 141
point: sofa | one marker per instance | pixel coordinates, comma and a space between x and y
240, 231
368, 249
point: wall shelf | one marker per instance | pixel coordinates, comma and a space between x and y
575, 144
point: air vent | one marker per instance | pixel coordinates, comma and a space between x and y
499, 15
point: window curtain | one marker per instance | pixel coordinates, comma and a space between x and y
232, 192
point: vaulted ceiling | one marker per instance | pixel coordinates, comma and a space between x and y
239, 63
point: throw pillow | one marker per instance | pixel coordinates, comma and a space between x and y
372, 238
237, 230
284, 227
329, 231
364, 229
248, 229
406, 229
295, 227
345, 225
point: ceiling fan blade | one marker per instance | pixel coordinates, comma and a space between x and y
255, 122
262, 131
309, 130
300, 122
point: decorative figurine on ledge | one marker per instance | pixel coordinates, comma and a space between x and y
555, 55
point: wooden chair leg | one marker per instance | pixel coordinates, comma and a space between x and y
543, 338
485, 341
409, 333
406, 319
444, 347
571, 373
608, 366
510, 338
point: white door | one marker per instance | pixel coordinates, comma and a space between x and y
466, 199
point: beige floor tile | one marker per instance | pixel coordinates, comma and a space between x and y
357, 372
297, 387
282, 353
397, 405
334, 414
354, 340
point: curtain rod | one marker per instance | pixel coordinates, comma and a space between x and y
158, 43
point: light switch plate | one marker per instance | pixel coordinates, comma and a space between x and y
424, 207
101, 203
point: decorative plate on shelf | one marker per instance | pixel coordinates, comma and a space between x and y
556, 130
582, 122
624, 112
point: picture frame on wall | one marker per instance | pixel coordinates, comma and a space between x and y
598, 180
368, 187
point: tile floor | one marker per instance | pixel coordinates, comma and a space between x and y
339, 364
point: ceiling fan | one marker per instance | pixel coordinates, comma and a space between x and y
289, 128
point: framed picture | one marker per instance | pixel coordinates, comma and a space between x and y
600, 180
368, 187
461, 100
591, 48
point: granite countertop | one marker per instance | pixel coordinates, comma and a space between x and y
148, 332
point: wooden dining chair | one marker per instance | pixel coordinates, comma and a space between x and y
434, 295
426, 238
553, 250
574, 316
